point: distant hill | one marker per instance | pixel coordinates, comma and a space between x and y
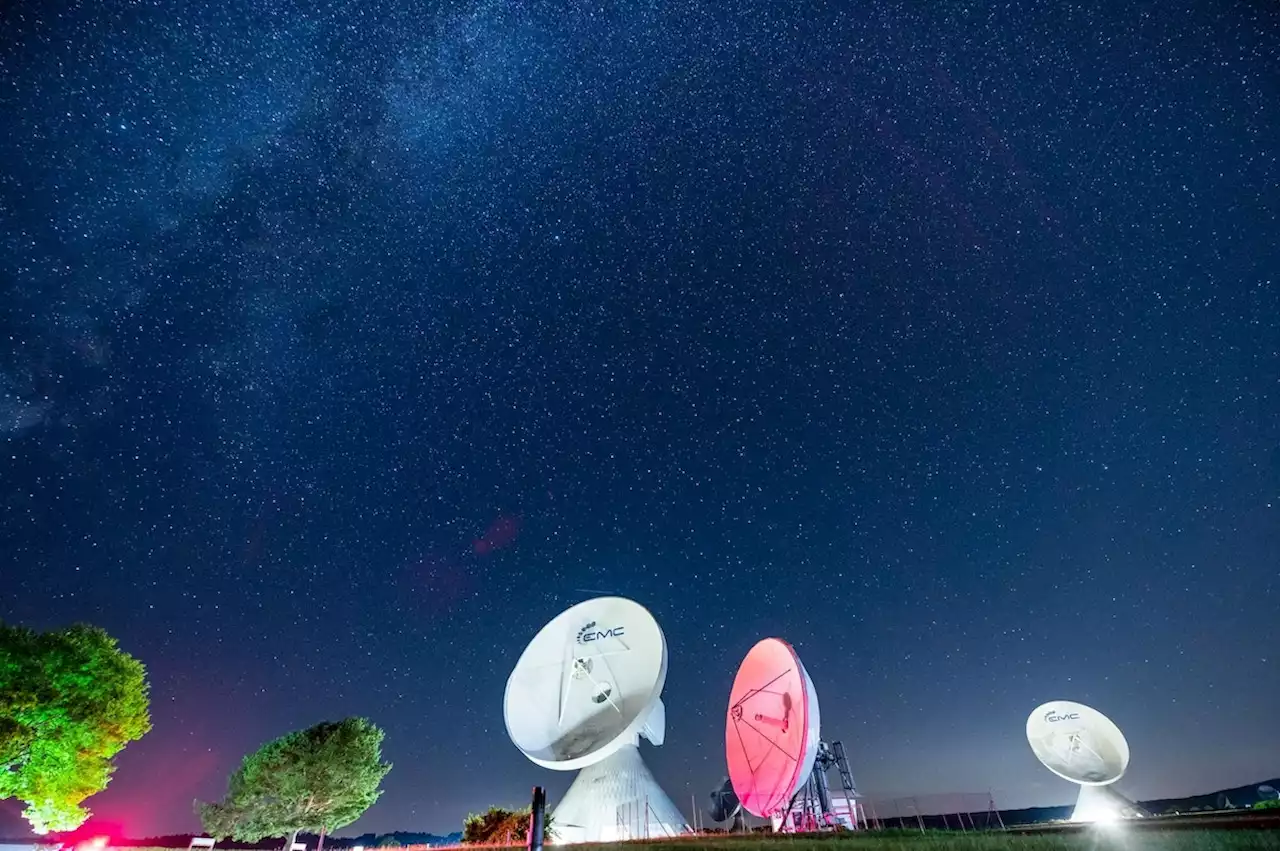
400, 837
1240, 797
1035, 815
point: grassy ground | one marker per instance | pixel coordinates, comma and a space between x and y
914, 840
908, 840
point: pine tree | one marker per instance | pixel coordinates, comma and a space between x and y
318, 780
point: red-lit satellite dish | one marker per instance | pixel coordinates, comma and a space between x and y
771, 732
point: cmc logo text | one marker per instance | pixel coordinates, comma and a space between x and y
590, 633
1052, 716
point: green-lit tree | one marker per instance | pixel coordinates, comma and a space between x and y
318, 780
70, 700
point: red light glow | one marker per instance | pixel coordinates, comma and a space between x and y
767, 727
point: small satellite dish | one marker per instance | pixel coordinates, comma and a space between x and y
1267, 793
583, 692
771, 732
1080, 744
725, 806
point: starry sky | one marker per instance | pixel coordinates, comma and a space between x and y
344, 343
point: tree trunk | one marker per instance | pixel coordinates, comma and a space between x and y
288, 844
320, 844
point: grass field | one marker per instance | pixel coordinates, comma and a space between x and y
914, 840
909, 840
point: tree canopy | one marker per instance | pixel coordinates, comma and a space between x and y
500, 826
70, 700
318, 779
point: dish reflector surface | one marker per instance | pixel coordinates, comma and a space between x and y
587, 684
1078, 743
771, 732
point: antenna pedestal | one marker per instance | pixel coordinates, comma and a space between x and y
1102, 804
615, 800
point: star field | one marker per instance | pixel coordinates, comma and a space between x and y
344, 344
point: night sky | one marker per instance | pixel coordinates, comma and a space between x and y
343, 344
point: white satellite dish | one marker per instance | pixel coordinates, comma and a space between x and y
583, 692
1080, 744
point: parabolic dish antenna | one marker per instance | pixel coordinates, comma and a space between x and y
725, 806
771, 732
1080, 744
583, 692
